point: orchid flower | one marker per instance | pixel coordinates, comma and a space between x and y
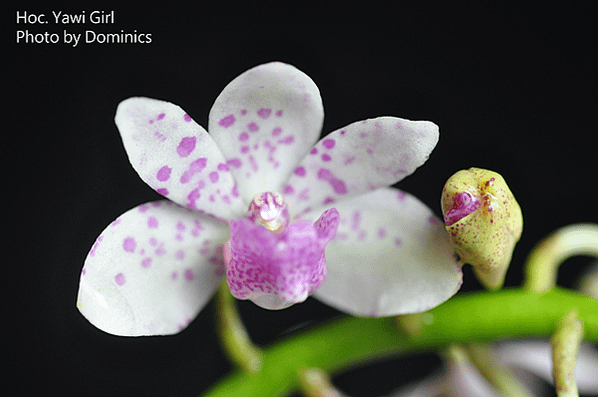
256, 200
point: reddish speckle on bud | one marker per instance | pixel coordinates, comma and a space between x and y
484, 222
270, 211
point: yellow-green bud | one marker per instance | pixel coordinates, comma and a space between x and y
484, 222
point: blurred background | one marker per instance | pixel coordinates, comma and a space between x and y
513, 88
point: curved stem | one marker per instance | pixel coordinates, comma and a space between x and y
233, 336
480, 316
543, 262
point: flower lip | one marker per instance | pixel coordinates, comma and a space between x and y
464, 203
278, 267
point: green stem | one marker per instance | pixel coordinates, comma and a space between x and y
480, 316
233, 336
542, 264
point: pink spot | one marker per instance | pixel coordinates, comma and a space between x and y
214, 176
180, 254
433, 220
401, 195
243, 112
180, 226
195, 167
370, 151
186, 146
299, 171
329, 200
244, 149
164, 173
326, 157
222, 167
303, 195
287, 140
234, 191
314, 151
398, 241
356, 220
119, 279
174, 275
189, 276
276, 131
328, 143
160, 251
95, 246
234, 162
83, 272
264, 113
253, 163
160, 116
337, 185
349, 160
160, 136
187, 118
243, 137
193, 196
118, 220
253, 127
279, 113
129, 244
381, 233
153, 241
143, 207
146, 262
343, 132
163, 191
152, 222
227, 121
288, 189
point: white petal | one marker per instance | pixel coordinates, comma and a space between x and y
358, 158
390, 256
152, 270
177, 157
265, 121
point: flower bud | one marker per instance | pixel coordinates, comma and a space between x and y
484, 222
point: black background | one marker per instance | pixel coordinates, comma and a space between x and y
512, 87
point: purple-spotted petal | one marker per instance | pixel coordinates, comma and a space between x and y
390, 256
177, 157
152, 270
277, 270
363, 156
265, 121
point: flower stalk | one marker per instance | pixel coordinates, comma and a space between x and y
508, 313
233, 335
542, 264
494, 371
565, 346
314, 382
